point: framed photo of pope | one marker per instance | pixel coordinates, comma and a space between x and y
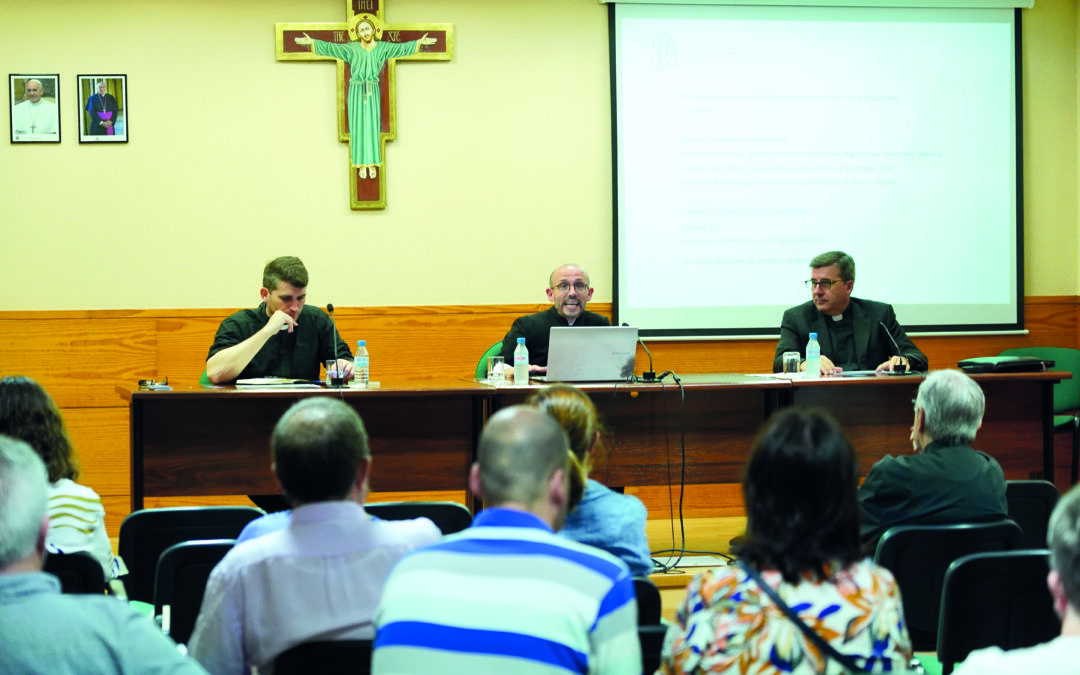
103, 114
35, 108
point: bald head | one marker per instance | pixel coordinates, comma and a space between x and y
569, 290
569, 269
520, 449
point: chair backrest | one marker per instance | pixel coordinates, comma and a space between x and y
651, 638
648, 601
326, 658
481, 365
995, 600
182, 572
145, 534
1030, 504
919, 555
1066, 392
78, 572
449, 517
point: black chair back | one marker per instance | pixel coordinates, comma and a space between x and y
919, 555
78, 572
449, 517
651, 639
648, 601
1030, 504
180, 582
326, 658
145, 534
995, 600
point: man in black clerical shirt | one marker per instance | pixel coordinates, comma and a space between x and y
854, 334
281, 337
569, 291
945, 481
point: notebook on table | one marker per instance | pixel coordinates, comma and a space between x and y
591, 354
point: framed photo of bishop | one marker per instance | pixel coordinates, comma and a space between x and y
104, 114
35, 108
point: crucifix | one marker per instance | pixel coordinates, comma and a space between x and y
366, 51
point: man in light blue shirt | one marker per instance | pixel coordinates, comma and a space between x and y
44, 631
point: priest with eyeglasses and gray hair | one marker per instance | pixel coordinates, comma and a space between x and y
854, 334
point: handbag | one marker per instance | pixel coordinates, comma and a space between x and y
846, 660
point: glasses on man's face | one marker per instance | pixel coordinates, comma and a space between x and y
825, 284
565, 287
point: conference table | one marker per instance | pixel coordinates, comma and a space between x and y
423, 435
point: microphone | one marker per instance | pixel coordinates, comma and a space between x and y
899, 368
339, 379
650, 374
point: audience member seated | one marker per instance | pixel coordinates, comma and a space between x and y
76, 515
802, 539
945, 481
508, 595
602, 518
45, 631
1062, 654
271, 522
319, 578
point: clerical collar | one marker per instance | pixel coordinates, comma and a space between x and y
838, 317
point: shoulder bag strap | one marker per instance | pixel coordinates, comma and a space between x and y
844, 659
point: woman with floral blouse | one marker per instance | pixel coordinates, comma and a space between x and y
803, 540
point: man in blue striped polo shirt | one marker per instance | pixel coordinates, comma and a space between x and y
507, 595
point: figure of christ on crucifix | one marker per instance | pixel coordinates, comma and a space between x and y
366, 50
366, 57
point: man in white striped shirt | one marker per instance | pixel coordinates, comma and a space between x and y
507, 595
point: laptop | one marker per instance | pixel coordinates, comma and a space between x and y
591, 354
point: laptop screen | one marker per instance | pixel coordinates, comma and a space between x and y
591, 354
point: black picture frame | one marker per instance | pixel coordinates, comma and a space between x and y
111, 109
34, 120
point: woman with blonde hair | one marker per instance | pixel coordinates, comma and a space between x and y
602, 518
76, 515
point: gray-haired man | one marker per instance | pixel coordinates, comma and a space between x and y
945, 481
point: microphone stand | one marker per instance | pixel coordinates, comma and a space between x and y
337, 380
899, 368
650, 374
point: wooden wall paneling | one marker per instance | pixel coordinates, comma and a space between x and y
182, 344
698, 501
79, 361
102, 442
426, 343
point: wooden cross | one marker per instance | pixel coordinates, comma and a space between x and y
367, 166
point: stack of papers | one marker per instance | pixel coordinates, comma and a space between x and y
275, 382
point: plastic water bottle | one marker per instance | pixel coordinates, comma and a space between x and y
813, 357
361, 364
521, 362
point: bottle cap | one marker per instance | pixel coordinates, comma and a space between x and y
521, 341
361, 343
813, 336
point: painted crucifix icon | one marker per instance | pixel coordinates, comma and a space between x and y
365, 51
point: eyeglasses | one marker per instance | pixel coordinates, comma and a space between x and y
154, 383
565, 287
825, 284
